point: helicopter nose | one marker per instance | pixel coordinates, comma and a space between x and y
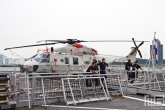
31, 66
31, 62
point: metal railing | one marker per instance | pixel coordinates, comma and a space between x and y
48, 88
63, 89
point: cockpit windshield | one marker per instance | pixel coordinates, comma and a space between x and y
42, 58
45, 58
37, 57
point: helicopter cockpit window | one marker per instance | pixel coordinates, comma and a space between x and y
66, 60
37, 57
45, 58
75, 61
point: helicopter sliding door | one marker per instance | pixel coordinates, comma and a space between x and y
45, 63
59, 63
87, 60
76, 63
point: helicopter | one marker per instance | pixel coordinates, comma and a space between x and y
74, 57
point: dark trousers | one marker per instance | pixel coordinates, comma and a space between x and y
103, 72
132, 75
89, 82
129, 75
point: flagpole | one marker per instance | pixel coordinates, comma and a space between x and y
153, 62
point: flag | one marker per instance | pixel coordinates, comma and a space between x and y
155, 50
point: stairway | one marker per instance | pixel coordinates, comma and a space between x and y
5, 85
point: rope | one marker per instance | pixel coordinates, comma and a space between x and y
15, 54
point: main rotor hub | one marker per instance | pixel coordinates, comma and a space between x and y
73, 41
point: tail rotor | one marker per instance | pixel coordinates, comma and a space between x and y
136, 48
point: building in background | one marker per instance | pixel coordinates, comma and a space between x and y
160, 51
9, 61
2, 58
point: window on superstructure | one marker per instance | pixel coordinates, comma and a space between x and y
75, 60
66, 60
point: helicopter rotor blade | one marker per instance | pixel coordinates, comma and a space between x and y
29, 46
134, 42
72, 41
113, 41
139, 45
137, 48
140, 53
55, 41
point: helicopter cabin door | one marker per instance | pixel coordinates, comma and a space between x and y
59, 63
76, 64
45, 63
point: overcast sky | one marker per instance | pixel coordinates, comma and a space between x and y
25, 22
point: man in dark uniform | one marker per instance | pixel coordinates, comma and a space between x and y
128, 66
97, 69
126, 60
94, 60
136, 67
93, 70
96, 65
103, 65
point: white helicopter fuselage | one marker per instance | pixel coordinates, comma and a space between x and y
69, 59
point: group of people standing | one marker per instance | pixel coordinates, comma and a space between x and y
96, 68
132, 69
100, 67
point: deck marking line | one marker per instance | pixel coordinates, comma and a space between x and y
84, 107
142, 100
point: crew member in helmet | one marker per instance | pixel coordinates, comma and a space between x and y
127, 59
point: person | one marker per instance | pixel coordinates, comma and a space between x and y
136, 67
97, 69
126, 59
94, 70
103, 65
128, 66
96, 65
94, 60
